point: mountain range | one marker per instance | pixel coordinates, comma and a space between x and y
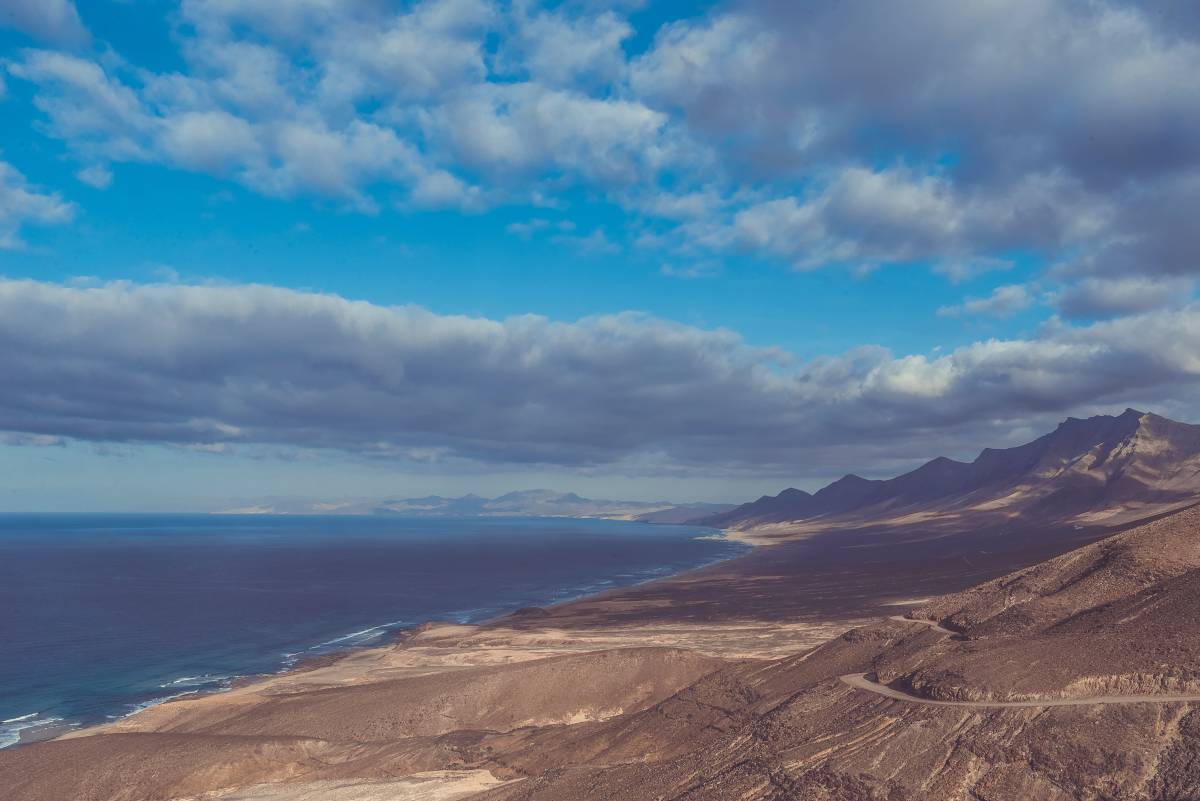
523, 503
1102, 470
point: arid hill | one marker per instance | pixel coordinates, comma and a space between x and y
1110, 631
1101, 470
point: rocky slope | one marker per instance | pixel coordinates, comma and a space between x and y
1101, 470
1111, 619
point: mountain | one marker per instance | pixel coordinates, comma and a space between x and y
1072, 680
524, 503
1102, 470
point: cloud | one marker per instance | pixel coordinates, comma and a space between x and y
706, 269
866, 217
1112, 297
531, 129
561, 51
955, 133
962, 136
53, 21
971, 267
258, 365
86, 106
110, 120
525, 230
594, 243
821, 79
349, 100
97, 176
1005, 301
22, 204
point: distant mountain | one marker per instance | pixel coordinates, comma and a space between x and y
1103, 469
525, 503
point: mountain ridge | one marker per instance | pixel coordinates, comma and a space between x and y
1099, 470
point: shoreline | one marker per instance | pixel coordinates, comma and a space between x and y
801, 595
519, 695
390, 638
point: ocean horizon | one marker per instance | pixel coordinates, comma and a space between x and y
105, 614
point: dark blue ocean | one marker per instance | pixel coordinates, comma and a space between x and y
102, 614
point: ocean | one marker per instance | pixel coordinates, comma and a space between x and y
101, 615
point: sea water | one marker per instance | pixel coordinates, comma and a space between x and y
101, 615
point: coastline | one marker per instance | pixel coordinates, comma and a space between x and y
524, 692
390, 636
798, 600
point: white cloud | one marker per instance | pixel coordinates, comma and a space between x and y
209, 141
704, 269
971, 267
592, 244
435, 48
439, 189
97, 176
22, 204
562, 51
341, 99
526, 128
1005, 301
868, 217
97, 114
525, 230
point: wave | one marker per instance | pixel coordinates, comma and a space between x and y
197, 681
354, 638
12, 728
133, 709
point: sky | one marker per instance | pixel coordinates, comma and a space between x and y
695, 251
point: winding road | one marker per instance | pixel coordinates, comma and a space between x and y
859, 681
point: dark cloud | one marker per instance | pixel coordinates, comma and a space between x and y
1058, 128
53, 21
254, 365
1112, 297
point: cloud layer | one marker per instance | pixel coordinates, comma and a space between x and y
257, 365
952, 134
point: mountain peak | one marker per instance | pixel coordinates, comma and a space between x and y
1129, 415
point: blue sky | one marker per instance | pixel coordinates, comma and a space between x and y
900, 239
155, 222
